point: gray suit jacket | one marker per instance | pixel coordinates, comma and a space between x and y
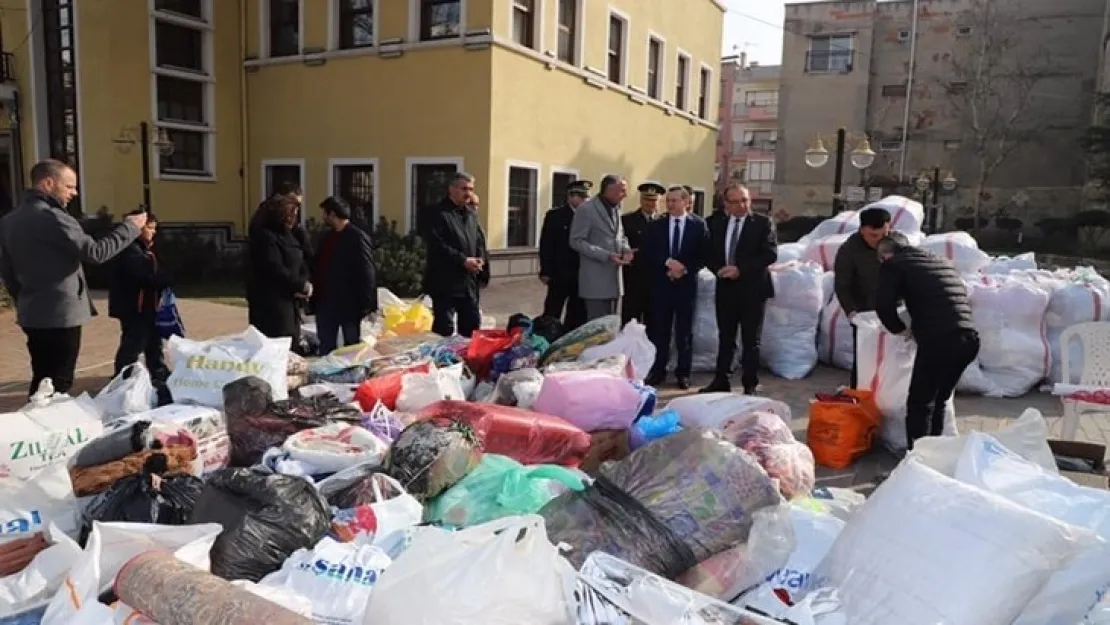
595, 234
41, 251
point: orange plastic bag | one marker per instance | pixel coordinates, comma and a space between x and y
840, 432
385, 387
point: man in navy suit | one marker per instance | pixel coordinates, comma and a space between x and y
675, 248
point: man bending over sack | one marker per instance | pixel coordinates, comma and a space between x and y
936, 300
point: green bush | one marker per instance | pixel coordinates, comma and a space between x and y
399, 259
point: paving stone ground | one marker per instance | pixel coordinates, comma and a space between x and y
206, 319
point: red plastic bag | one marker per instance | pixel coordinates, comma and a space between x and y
525, 436
385, 387
485, 344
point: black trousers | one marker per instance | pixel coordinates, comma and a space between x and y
445, 309
936, 370
739, 313
562, 293
139, 337
54, 354
672, 312
636, 303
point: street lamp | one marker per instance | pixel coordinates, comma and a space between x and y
145, 139
817, 156
937, 181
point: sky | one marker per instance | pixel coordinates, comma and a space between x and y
755, 26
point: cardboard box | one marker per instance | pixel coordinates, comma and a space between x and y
1092, 453
605, 445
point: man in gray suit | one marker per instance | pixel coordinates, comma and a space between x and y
41, 251
597, 235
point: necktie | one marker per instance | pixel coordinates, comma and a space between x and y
676, 238
734, 241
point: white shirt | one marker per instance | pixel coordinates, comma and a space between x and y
676, 225
735, 227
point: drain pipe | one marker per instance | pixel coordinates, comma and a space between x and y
909, 93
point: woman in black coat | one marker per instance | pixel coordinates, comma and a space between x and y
277, 274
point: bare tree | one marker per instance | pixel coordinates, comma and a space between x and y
990, 84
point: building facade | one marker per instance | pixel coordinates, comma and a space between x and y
749, 128
378, 101
1006, 128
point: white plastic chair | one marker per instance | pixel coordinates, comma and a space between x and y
1094, 339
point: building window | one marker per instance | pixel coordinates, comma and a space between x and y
559, 182
952, 145
681, 80
703, 94
60, 58
285, 27
275, 176
956, 88
699, 203
830, 53
761, 139
765, 97
894, 91
355, 184
440, 19
188, 8
617, 38
524, 23
568, 31
183, 89
429, 187
522, 207
890, 146
357, 25
761, 171
654, 62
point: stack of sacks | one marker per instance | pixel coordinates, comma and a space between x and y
823, 252
1083, 296
834, 331
845, 222
705, 323
959, 247
1009, 314
1006, 264
789, 345
791, 251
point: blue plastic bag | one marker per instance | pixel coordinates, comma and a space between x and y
167, 319
652, 428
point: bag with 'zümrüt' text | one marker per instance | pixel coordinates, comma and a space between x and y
200, 369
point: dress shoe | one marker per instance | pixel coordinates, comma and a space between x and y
752, 390
683, 382
654, 379
717, 386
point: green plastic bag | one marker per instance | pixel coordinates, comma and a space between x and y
499, 487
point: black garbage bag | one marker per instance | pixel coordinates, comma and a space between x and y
145, 498
433, 455
351, 488
115, 444
548, 328
266, 517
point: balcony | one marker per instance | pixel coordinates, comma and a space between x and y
751, 112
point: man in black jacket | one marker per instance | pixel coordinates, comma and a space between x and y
344, 281
937, 303
636, 303
559, 263
458, 261
134, 297
742, 246
857, 269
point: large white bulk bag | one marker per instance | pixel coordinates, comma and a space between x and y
789, 342
959, 247
1082, 297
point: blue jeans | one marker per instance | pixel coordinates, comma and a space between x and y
328, 329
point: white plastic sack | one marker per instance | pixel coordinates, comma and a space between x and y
811, 534
1083, 297
337, 577
422, 389
823, 251
959, 247
1073, 591
28, 507
110, 546
287, 598
906, 214
928, 549
335, 446
208, 425
1027, 436
789, 341
717, 410
35, 585
517, 388
632, 342
1006, 264
885, 367
705, 324
844, 222
201, 369
46, 432
834, 336
393, 510
130, 392
791, 251
534, 584
1014, 356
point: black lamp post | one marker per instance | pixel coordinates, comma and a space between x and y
146, 139
817, 156
937, 182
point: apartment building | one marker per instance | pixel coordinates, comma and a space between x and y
752, 129
379, 101
1006, 129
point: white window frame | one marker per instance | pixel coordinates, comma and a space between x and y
205, 27
748, 170
538, 25
708, 69
414, 25
680, 55
412, 161
372, 162
334, 25
626, 33
579, 42
264, 30
661, 71
511, 164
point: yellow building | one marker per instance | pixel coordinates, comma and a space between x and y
375, 100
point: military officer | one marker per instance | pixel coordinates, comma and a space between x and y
637, 288
559, 263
